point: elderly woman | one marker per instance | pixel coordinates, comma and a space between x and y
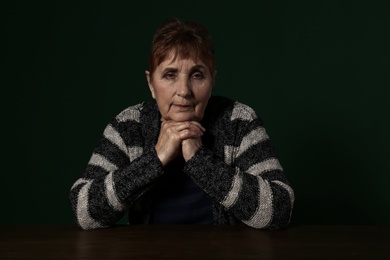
186, 157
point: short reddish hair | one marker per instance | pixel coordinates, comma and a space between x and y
187, 39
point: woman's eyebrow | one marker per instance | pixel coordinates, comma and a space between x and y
169, 69
198, 67
175, 70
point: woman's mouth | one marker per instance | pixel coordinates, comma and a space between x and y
182, 107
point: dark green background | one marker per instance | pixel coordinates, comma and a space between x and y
317, 72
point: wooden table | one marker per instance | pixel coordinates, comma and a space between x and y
194, 242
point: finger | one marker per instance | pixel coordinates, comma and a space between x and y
190, 133
181, 130
189, 125
198, 124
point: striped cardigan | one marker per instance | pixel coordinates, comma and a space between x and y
236, 166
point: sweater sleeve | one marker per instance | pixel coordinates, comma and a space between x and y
119, 171
249, 181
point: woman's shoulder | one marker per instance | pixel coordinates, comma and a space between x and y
134, 112
131, 113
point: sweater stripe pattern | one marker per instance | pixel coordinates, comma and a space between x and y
236, 165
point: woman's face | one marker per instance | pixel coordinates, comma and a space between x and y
181, 88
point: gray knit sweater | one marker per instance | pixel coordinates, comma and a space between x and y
236, 166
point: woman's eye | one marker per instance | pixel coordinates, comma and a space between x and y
169, 75
198, 75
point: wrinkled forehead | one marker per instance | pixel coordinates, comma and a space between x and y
167, 54
177, 54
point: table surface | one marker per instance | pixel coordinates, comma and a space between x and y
194, 242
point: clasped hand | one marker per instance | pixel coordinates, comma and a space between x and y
178, 138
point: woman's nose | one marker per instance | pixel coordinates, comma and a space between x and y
184, 88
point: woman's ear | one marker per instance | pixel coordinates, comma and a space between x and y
149, 80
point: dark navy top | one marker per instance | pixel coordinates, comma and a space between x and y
176, 199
